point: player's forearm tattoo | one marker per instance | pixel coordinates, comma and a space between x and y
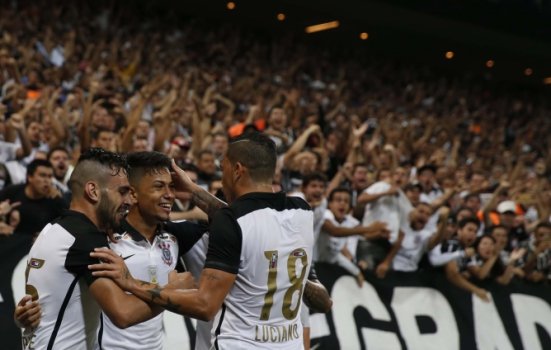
170, 306
158, 299
316, 297
155, 293
207, 202
126, 274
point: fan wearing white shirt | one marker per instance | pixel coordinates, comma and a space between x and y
418, 238
340, 250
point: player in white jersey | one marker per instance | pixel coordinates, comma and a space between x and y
259, 256
150, 245
57, 272
152, 252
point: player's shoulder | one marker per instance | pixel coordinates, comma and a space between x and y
279, 201
80, 227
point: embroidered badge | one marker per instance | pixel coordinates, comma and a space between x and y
166, 255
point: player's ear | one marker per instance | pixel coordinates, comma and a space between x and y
92, 191
133, 195
237, 170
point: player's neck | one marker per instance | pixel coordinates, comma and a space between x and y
144, 227
87, 210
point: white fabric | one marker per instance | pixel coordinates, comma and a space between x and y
414, 245
330, 247
392, 210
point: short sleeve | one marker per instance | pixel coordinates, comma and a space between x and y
225, 242
78, 257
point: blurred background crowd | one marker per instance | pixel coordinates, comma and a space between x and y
405, 167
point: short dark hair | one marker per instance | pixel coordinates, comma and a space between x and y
141, 163
257, 152
338, 190
31, 168
190, 167
480, 238
313, 176
98, 131
543, 225
203, 152
463, 222
471, 195
429, 167
93, 164
55, 149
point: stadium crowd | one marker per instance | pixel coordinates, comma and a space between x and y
405, 168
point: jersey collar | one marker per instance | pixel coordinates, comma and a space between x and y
135, 234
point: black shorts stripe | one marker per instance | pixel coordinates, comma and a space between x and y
219, 328
61, 313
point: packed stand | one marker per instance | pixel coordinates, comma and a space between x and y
404, 168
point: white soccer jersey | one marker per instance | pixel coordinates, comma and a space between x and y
330, 247
149, 262
414, 245
392, 210
58, 276
267, 240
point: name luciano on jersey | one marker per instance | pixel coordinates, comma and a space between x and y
276, 334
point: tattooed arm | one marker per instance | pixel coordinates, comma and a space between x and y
202, 303
315, 295
124, 310
202, 198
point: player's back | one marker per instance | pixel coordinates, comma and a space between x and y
56, 270
262, 308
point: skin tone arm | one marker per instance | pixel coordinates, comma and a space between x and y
384, 266
452, 272
202, 303
436, 238
16, 123
316, 296
374, 231
481, 272
368, 198
202, 198
123, 309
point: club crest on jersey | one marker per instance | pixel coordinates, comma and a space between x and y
166, 254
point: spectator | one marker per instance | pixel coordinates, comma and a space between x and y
40, 201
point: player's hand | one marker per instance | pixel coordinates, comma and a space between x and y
182, 181
182, 280
112, 266
382, 269
27, 313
